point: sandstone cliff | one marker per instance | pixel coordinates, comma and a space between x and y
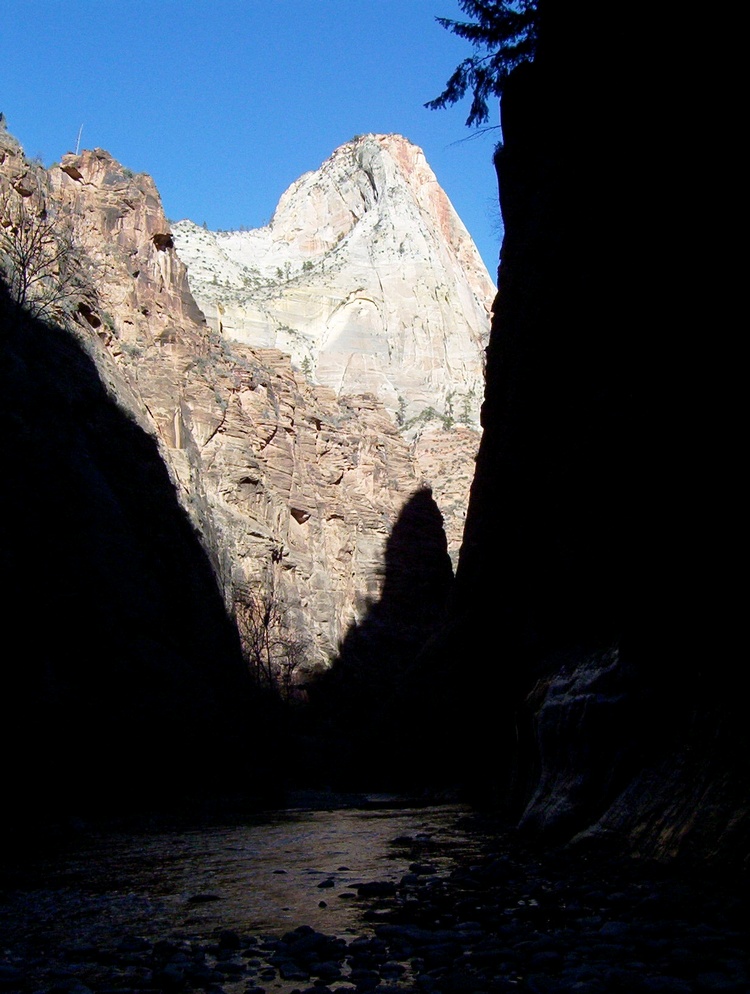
294, 486
365, 275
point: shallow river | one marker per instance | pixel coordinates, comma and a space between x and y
292, 867
92, 920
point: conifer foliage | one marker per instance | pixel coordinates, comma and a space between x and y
505, 34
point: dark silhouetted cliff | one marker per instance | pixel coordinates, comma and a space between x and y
123, 683
583, 590
370, 706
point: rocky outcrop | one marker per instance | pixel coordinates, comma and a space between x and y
365, 275
118, 219
12, 160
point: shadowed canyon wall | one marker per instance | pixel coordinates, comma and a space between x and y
369, 706
160, 475
578, 588
123, 681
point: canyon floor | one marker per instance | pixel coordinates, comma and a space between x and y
438, 900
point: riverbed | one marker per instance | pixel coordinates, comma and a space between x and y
371, 897
285, 868
126, 891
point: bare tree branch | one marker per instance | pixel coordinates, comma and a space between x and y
37, 252
273, 651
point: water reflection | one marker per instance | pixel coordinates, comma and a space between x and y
267, 877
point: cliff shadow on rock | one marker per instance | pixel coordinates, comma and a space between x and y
123, 683
368, 708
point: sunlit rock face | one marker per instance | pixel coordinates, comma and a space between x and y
294, 485
12, 161
365, 276
118, 217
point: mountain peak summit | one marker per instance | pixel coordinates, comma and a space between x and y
365, 275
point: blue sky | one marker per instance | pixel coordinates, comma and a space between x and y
225, 103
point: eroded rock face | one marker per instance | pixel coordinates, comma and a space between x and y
365, 276
293, 485
12, 160
119, 220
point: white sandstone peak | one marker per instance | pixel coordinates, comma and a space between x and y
365, 275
